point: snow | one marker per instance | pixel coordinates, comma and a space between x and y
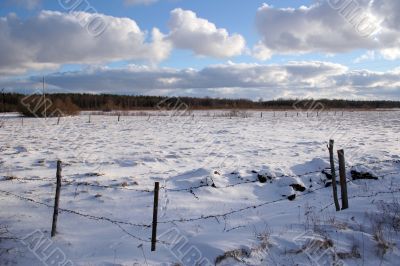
211, 200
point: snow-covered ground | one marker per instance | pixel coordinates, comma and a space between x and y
213, 209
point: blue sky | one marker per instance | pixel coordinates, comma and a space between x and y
206, 36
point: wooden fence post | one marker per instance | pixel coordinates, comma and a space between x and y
343, 183
22, 121
56, 200
89, 119
58, 120
155, 213
333, 174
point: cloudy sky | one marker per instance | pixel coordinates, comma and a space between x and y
227, 48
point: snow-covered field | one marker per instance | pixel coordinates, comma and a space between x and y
213, 209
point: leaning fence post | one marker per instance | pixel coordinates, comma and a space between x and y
343, 183
56, 200
333, 174
58, 120
155, 211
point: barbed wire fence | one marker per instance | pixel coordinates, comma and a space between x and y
224, 215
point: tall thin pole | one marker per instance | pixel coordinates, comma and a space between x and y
343, 183
333, 174
56, 200
4, 100
44, 100
155, 211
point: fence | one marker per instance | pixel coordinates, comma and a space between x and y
191, 190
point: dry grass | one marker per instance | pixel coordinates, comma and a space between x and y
383, 246
390, 214
241, 254
9, 178
236, 254
353, 254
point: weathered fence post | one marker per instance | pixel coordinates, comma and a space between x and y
155, 213
261, 115
89, 118
119, 117
343, 183
22, 121
333, 174
58, 120
56, 200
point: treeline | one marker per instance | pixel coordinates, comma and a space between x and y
72, 103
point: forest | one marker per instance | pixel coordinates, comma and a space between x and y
72, 103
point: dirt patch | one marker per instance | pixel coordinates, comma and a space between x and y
362, 175
298, 187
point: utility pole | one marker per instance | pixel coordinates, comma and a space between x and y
44, 101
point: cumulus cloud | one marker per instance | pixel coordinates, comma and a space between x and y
187, 31
54, 38
293, 79
261, 52
332, 26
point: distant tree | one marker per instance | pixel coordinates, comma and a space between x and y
37, 106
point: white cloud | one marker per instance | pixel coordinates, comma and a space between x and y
329, 27
54, 38
293, 79
202, 37
391, 53
261, 52
369, 55
139, 2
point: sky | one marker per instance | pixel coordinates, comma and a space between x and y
347, 49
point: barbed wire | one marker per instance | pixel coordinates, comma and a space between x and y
381, 176
191, 189
183, 220
88, 216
